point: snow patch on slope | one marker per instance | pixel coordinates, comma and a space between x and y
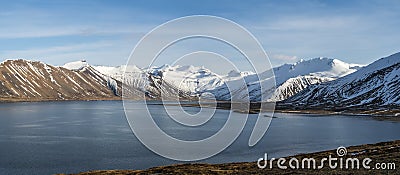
76, 65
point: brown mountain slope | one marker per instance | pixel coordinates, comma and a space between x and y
22, 80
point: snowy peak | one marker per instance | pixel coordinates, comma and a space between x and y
189, 79
187, 69
291, 78
76, 65
322, 67
235, 73
117, 71
376, 84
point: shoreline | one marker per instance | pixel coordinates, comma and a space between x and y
2, 101
285, 108
387, 152
254, 108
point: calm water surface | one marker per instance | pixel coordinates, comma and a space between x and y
71, 137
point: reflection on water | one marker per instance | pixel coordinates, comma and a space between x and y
67, 137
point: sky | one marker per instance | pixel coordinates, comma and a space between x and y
104, 32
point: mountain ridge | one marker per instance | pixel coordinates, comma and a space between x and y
304, 84
373, 86
24, 80
198, 80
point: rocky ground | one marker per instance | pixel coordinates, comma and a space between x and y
385, 152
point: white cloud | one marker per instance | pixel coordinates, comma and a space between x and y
31, 22
38, 52
37, 32
100, 52
313, 23
282, 57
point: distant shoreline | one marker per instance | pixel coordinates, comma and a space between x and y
285, 108
378, 152
253, 109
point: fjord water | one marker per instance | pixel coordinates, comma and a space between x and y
71, 137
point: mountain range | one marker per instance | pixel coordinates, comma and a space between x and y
373, 86
318, 82
191, 81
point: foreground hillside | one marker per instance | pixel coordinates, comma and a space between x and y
385, 152
22, 80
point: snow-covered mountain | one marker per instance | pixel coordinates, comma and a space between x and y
316, 82
374, 85
191, 81
290, 79
83, 66
186, 81
34, 81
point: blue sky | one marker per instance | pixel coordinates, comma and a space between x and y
105, 32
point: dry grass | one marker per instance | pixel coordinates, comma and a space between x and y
380, 152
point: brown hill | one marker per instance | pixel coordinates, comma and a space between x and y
22, 80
